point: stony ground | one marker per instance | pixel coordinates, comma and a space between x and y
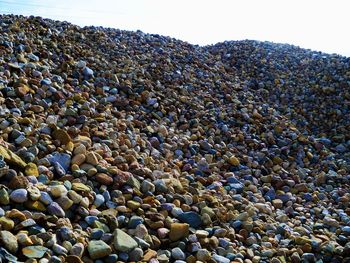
122, 146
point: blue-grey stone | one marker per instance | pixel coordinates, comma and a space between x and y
135, 221
96, 233
177, 253
191, 218
220, 259
63, 159
346, 230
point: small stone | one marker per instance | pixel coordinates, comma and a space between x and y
136, 255
56, 210
73, 259
220, 259
203, 255
277, 203
31, 169
19, 195
58, 190
92, 158
234, 161
178, 231
80, 187
177, 253
104, 179
78, 159
9, 241
19, 182
98, 249
62, 136
4, 197
7, 223
133, 205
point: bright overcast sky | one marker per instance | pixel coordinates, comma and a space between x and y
315, 24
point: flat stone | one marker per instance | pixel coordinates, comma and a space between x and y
34, 251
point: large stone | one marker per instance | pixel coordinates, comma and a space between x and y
9, 241
98, 249
12, 158
123, 242
192, 218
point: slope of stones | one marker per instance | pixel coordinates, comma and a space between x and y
127, 146
312, 88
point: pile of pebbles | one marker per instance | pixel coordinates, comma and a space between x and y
120, 146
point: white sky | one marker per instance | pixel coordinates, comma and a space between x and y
315, 24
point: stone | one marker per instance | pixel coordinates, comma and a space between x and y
92, 158
98, 249
7, 223
55, 209
11, 158
78, 159
234, 161
62, 159
177, 253
19, 195
192, 218
9, 241
220, 259
123, 242
34, 251
19, 182
31, 169
62, 136
178, 231
104, 179
203, 255
58, 191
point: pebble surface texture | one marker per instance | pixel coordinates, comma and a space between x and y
120, 146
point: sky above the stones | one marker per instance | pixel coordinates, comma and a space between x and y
322, 25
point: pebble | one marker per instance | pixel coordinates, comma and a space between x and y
9, 241
19, 195
177, 253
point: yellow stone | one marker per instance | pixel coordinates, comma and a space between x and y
80, 187
7, 223
70, 146
234, 161
12, 158
62, 136
178, 231
36, 205
302, 240
133, 205
31, 169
